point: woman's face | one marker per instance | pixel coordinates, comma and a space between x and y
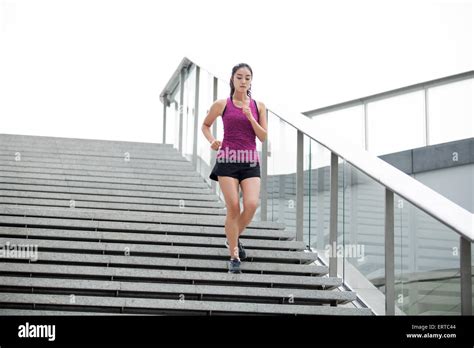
242, 79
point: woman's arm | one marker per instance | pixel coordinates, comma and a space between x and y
216, 110
260, 127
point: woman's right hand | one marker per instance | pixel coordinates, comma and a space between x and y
216, 144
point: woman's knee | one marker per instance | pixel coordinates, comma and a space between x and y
251, 204
233, 209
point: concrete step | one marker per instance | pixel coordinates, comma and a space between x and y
146, 236
100, 168
111, 199
116, 163
60, 225
187, 291
98, 216
32, 313
63, 141
91, 155
119, 154
159, 250
111, 192
80, 144
173, 160
157, 181
75, 143
169, 239
128, 177
136, 305
110, 206
168, 276
85, 148
173, 263
164, 187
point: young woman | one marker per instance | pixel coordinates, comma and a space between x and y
237, 161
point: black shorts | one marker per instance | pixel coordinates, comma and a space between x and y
238, 170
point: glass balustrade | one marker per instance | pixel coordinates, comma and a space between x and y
362, 230
316, 194
427, 259
281, 172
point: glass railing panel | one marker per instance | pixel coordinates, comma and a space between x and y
451, 107
223, 92
362, 229
204, 165
188, 113
171, 124
257, 216
427, 263
396, 123
404, 251
309, 219
317, 196
172, 120
281, 172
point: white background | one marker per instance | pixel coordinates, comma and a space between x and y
95, 68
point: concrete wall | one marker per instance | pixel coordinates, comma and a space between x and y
446, 168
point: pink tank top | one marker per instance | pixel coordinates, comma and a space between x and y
238, 144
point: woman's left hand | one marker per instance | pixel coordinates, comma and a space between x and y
247, 112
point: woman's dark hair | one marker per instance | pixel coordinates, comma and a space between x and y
234, 70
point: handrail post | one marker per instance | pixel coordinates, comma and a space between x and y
466, 277
181, 109
333, 210
389, 253
214, 134
366, 127
165, 105
264, 180
299, 186
196, 119
427, 116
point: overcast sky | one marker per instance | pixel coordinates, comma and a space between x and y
95, 68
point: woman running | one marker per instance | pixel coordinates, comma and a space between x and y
237, 161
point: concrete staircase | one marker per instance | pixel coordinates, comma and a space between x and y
131, 228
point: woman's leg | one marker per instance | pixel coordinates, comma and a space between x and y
230, 188
250, 193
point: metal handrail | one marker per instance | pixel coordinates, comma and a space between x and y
394, 181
